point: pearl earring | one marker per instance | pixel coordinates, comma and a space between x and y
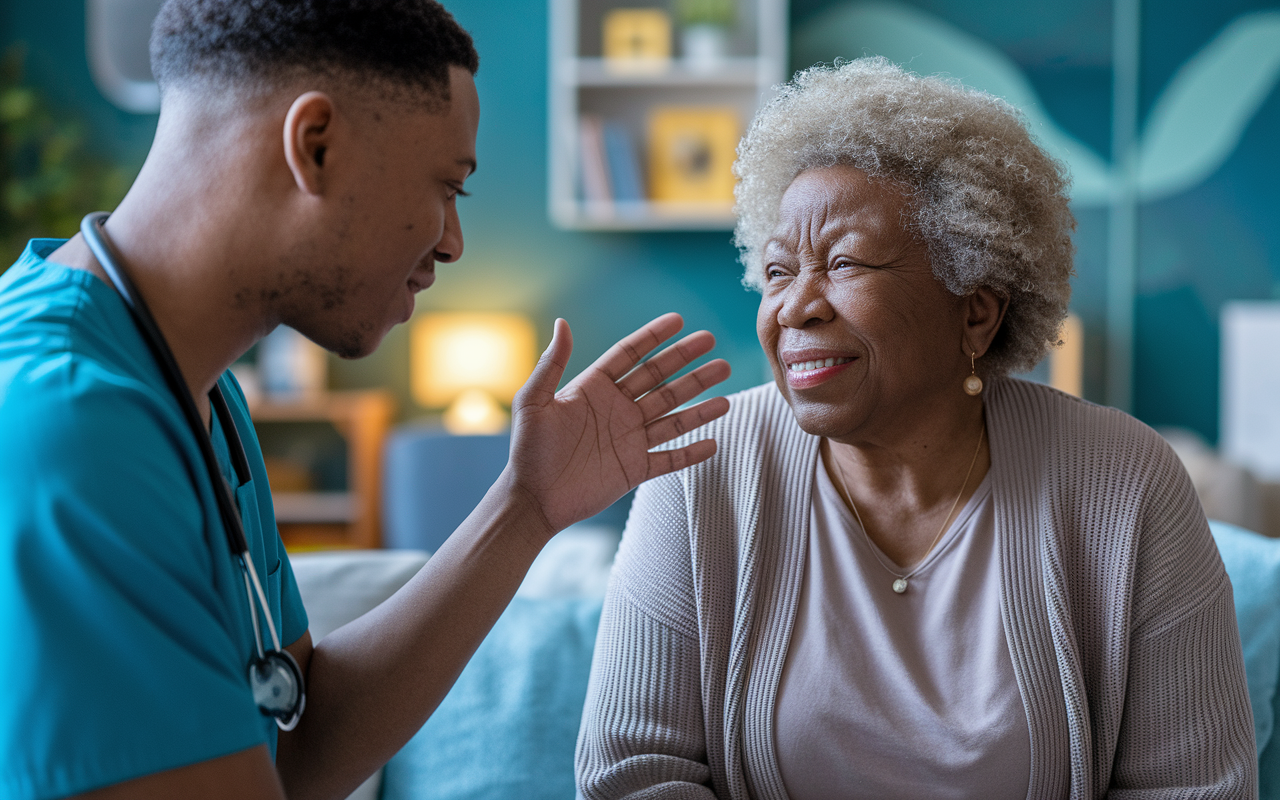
973, 384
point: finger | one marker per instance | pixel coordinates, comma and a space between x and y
541, 386
667, 363
619, 359
664, 461
683, 389
669, 427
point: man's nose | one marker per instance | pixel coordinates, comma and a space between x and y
449, 248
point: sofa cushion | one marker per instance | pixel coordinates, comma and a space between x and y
338, 586
508, 727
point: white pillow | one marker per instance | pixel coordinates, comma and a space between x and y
575, 563
338, 586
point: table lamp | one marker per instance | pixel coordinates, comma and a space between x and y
473, 363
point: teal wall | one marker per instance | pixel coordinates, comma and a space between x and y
1217, 241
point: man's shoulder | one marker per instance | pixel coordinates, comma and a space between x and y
64, 349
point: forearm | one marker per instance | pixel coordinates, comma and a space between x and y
374, 682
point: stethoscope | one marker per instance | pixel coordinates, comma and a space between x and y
274, 676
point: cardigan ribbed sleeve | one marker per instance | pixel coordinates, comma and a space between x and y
1184, 731
1186, 726
642, 733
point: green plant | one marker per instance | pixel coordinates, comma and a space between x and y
48, 177
720, 13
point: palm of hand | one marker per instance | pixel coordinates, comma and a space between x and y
577, 451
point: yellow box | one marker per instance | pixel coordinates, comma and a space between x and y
637, 38
691, 154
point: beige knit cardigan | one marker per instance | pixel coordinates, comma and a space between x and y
1116, 607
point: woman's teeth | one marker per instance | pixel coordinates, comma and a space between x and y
807, 366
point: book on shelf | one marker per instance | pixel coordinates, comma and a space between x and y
624, 167
595, 172
610, 164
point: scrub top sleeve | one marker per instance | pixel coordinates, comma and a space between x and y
130, 661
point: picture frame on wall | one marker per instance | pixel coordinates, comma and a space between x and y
691, 153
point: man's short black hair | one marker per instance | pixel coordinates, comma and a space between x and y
400, 43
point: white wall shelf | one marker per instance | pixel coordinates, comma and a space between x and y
581, 81
732, 72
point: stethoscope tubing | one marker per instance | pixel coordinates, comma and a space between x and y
108, 259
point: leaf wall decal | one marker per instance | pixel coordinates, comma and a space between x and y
1200, 116
927, 45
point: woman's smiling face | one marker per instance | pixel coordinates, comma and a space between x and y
858, 331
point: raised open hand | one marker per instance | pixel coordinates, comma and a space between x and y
578, 450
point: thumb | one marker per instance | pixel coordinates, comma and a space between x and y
542, 383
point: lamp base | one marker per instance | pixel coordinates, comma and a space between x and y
474, 413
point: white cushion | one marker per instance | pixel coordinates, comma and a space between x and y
575, 563
338, 586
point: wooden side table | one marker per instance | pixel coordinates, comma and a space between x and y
313, 520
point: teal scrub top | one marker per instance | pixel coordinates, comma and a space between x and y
126, 624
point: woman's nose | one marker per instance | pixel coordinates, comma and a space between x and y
805, 302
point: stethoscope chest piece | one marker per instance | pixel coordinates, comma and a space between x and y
276, 681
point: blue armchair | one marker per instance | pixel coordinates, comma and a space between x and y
434, 479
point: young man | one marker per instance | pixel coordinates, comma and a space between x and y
304, 172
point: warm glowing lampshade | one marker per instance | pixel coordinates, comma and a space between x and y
471, 361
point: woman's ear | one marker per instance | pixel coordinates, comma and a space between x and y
307, 134
984, 314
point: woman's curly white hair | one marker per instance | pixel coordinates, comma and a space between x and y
990, 205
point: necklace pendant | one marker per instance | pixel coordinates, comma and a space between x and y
900, 585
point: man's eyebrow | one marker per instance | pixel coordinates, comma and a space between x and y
468, 162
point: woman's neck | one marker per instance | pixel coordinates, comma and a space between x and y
909, 486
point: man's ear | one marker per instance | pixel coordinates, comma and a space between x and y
984, 312
308, 131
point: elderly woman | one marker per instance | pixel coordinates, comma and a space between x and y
905, 574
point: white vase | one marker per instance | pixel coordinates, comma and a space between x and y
290, 364
705, 47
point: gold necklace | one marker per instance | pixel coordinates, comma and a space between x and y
900, 581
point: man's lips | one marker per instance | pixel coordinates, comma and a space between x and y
421, 281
